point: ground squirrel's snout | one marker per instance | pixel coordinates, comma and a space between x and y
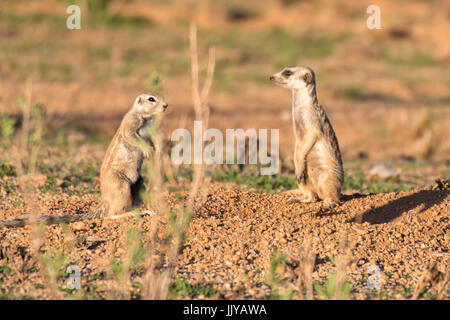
165, 105
272, 78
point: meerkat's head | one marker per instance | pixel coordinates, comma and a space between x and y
294, 78
149, 105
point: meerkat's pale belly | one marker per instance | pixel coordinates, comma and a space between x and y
321, 155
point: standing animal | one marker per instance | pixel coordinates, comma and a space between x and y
120, 174
317, 158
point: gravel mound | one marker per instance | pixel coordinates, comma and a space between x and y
234, 234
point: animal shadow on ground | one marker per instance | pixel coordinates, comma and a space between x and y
388, 212
337, 211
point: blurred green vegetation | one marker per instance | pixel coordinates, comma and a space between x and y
183, 289
330, 291
359, 182
256, 183
277, 260
244, 55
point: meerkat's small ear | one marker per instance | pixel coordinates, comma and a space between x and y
307, 77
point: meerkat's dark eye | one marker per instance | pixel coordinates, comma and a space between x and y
151, 99
287, 73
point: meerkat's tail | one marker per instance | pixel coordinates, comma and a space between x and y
101, 211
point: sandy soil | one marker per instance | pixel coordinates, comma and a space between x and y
233, 235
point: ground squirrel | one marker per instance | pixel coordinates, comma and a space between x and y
120, 178
317, 158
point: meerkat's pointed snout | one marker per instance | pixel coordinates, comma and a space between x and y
165, 105
271, 78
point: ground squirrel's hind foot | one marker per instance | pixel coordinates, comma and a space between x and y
144, 213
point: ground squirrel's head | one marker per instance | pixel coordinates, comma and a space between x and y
294, 78
148, 105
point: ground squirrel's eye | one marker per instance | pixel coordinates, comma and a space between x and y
287, 73
151, 99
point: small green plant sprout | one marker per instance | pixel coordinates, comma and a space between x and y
184, 289
54, 266
337, 287
7, 126
122, 270
134, 241
7, 123
273, 280
155, 82
7, 170
277, 260
98, 7
331, 291
31, 133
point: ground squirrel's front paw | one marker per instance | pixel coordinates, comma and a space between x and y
147, 213
147, 154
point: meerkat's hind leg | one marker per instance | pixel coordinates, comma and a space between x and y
304, 194
329, 190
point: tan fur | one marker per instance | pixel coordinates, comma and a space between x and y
120, 177
121, 166
317, 158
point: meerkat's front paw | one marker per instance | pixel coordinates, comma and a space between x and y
330, 204
301, 176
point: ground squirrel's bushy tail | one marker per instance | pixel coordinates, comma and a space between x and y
100, 211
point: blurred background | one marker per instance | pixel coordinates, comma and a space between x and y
386, 92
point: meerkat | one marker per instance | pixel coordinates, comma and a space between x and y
120, 173
317, 158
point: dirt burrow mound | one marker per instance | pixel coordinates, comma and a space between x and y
233, 236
